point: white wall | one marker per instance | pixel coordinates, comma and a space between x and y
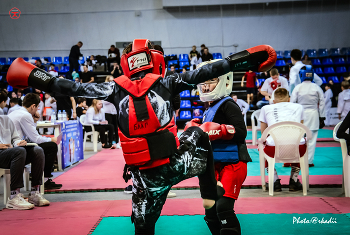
50, 28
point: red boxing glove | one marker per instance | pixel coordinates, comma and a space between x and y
228, 131
260, 58
193, 122
22, 74
260, 53
212, 129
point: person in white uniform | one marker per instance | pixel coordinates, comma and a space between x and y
282, 111
311, 97
344, 100
272, 83
244, 106
294, 78
328, 95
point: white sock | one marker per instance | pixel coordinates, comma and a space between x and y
294, 173
14, 193
35, 189
275, 176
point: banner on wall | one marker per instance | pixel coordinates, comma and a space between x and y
72, 142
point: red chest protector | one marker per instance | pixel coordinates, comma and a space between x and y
148, 144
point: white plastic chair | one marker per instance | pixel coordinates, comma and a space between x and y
346, 161
286, 136
255, 129
94, 134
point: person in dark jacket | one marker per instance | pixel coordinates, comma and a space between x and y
74, 58
341, 133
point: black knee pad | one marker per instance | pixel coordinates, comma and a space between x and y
229, 223
213, 225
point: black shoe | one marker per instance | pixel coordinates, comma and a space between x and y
106, 146
128, 189
295, 186
49, 184
277, 187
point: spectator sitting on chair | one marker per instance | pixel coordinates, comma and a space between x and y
306, 60
20, 94
193, 53
25, 120
39, 64
241, 103
272, 83
50, 107
53, 71
346, 76
14, 155
3, 99
86, 75
344, 100
74, 58
95, 115
202, 49
113, 55
14, 105
206, 56
172, 68
282, 111
82, 107
116, 70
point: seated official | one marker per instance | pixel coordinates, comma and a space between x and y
82, 107
14, 155
282, 111
14, 105
241, 103
95, 115
3, 99
25, 121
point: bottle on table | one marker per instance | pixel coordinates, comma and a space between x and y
64, 116
59, 115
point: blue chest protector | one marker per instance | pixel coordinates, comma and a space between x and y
223, 150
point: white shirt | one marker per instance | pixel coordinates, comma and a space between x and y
344, 103
8, 132
26, 127
311, 97
328, 98
109, 107
267, 84
93, 118
14, 108
53, 73
243, 105
294, 78
281, 112
1, 111
49, 104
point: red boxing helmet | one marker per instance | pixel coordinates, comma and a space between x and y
142, 58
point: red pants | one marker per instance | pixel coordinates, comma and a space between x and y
231, 176
270, 151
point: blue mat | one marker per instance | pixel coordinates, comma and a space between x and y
328, 161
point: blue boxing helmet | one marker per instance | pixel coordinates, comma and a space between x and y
306, 73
